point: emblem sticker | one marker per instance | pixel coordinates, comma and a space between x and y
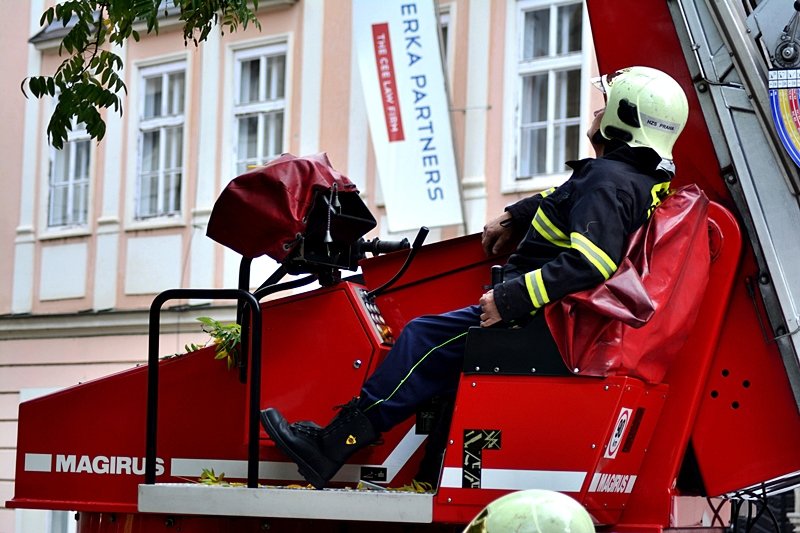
619, 430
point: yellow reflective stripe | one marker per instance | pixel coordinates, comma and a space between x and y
657, 192
548, 230
547, 192
536, 290
594, 254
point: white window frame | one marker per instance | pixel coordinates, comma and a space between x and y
514, 72
77, 135
263, 106
160, 123
283, 42
47, 158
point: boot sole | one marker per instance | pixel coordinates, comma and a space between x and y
309, 473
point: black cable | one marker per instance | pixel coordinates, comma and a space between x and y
716, 511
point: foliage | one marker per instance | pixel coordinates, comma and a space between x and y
88, 79
226, 338
208, 477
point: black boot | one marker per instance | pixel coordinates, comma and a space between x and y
321, 452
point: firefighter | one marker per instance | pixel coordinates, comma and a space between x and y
532, 511
574, 238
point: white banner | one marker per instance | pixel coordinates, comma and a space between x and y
397, 43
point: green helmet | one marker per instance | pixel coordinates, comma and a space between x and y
532, 511
644, 107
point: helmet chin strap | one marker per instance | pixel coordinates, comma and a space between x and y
602, 145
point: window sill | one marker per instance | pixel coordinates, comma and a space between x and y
51, 234
156, 223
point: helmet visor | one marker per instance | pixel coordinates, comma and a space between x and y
603, 83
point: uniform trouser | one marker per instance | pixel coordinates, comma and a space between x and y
425, 362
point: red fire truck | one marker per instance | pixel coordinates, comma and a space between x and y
720, 428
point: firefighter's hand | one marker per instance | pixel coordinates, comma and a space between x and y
497, 233
489, 313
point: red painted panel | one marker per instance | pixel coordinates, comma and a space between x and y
553, 431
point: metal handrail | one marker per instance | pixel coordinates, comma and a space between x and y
242, 297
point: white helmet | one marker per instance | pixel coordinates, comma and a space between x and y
644, 107
532, 511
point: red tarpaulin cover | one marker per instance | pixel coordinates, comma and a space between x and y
636, 322
264, 211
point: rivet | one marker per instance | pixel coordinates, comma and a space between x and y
474, 384
496, 369
702, 87
451, 441
606, 387
357, 363
449, 500
533, 370
477, 369
594, 446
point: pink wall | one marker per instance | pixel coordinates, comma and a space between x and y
11, 139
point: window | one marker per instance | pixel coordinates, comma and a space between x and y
549, 63
259, 105
68, 203
161, 121
444, 29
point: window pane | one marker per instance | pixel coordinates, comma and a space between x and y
273, 134
248, 137
570, 22
567, 137
60, 170
276, 71
444, 29
568, 94
58, 206
533, 157
148, 178
174, 147
79, 203
534, 99
536, 33
177, 89
172, 194
152, 97
248, 88
150, 150
80, 185
81, 160
148, 195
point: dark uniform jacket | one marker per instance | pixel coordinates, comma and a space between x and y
576, 233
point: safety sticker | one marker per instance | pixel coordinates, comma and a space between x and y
475, 441
619, 431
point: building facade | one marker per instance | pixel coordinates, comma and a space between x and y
92, 232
